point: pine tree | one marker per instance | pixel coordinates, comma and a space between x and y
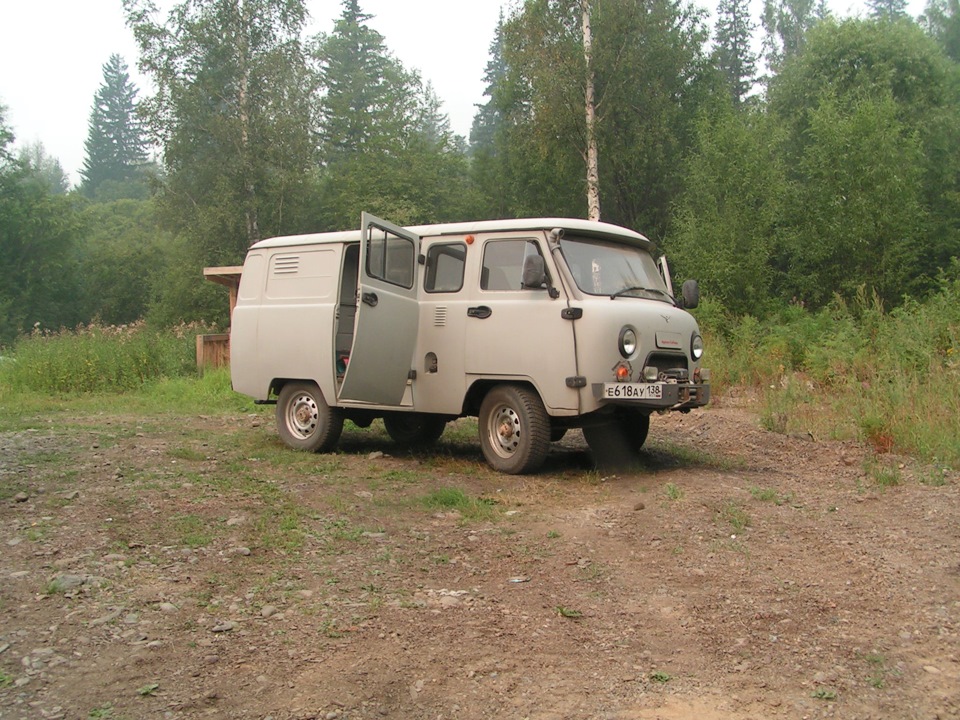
367, 92
732, 55
116, 147
888, 9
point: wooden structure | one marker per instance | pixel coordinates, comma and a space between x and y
213, 350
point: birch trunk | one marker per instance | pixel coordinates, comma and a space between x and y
593, 172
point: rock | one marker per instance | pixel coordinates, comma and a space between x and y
63, 583
268, 610
167, 607
932, 669
375, 455
21, 497
225, 626
238, 551
639, 506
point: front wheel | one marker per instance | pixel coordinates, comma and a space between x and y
514, 430
616, 441
304, 419
414, 429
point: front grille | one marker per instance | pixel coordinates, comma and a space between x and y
674, 367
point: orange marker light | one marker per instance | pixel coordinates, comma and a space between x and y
623, 373
469, 239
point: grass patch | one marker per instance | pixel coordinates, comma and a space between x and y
455, 499
192, 531
769, 495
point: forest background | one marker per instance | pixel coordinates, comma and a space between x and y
805, 168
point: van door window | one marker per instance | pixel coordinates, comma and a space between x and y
390, 258
445, 265
503, 263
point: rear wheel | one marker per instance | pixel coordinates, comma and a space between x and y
305, 421
514, 429
414, 429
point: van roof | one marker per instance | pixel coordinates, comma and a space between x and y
588, 228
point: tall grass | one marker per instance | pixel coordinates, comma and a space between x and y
97, 359
852, 370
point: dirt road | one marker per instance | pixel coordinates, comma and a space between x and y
165, 567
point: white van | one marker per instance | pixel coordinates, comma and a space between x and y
534, 326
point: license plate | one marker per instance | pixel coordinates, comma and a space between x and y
633, 391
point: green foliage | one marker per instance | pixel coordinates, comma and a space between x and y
120, 258
96, 359
38, 234
233, 110
728, 224
530, 136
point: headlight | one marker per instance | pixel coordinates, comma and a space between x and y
696, 346
628, 342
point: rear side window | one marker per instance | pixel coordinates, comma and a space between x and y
445, 265
503, 263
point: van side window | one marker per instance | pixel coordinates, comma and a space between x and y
503, 263
390, 258
445, 265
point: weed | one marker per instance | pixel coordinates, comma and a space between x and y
660, 676
824, 694
883, 474
568, 612
735, 515
5, 679
673, 491
553, 534
148, 690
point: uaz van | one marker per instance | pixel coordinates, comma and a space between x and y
534, 326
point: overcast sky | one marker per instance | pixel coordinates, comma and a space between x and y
52, 53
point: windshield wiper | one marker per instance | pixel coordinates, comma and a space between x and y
633, 288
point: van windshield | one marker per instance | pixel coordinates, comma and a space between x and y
605, 268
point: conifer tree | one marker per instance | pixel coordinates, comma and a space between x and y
733, 56
115, 145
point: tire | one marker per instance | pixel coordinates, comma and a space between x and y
514, 430
304, 419
616, 441
414, 429
636, 425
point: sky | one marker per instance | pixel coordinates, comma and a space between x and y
52, 54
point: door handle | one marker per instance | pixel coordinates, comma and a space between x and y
482, 312
370, 299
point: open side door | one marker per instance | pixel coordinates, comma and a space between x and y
387, 315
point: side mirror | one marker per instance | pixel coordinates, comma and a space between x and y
534, 272
690, 294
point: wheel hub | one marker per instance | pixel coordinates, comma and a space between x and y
304, 416
506, 430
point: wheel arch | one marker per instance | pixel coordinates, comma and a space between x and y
480, 387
